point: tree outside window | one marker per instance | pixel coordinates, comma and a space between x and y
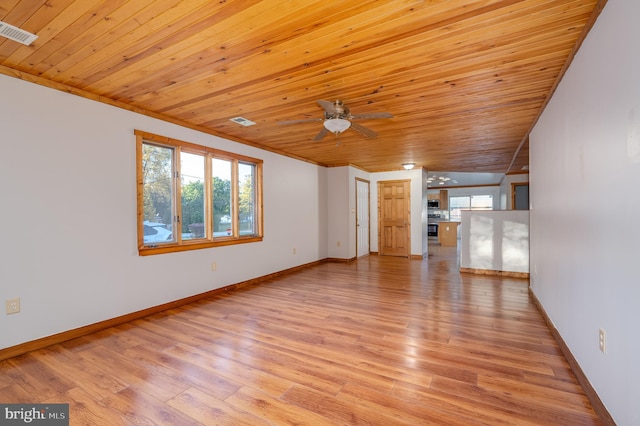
191, 197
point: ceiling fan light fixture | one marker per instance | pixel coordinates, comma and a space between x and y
337, 125
408, 166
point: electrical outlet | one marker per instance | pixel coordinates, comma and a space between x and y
214, 266
602, 343
12, 306
294, 250
338, 243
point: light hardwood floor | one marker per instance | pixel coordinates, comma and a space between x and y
380, 341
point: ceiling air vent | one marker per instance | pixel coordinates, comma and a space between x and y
243, 121
16, 34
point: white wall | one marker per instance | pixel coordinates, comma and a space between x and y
68, 214
339, 236
584, 177
418, 226
495, 240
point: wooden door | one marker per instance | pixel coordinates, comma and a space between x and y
362, 217
393, 214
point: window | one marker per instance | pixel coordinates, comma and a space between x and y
192, 197
468, 202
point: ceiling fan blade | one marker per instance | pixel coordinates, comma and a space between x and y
306, 120
329, 107
324, 132
373, 115
364, 131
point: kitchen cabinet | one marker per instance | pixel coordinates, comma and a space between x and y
444, 199
448, 233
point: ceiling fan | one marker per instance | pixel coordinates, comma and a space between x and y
337, 118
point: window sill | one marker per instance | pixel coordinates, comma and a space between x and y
194, 245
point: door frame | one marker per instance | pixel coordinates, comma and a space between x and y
407, 224
368, 183
514, 185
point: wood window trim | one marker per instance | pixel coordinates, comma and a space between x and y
179, 245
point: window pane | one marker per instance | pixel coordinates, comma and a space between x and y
192, 189
460, 202
456, 205
247, 199
157, 188
482, 202
468, 202
222, 207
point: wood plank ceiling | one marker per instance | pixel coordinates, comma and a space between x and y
465, 80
